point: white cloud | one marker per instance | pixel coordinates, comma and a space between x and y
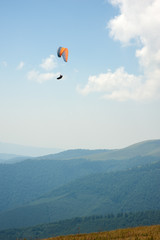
21, 65
49, 63
41, 77
118, 85
139, 21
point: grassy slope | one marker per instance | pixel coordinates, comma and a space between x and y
138, 233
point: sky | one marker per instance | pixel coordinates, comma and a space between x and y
109, 95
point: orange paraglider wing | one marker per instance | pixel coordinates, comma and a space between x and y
63, 52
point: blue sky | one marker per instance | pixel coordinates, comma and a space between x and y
109, 95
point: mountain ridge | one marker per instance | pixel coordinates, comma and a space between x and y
144, 148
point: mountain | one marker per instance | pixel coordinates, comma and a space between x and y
11, 158
130, 190
26, 181
30, 179
145, 148
11, 148
74, 154
5, 156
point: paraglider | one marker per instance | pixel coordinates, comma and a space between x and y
64, 53
59, 77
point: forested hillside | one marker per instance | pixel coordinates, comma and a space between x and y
131, 190
30, 179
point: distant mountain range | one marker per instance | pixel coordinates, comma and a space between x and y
16, 149
12, 158
146, 148
79, 182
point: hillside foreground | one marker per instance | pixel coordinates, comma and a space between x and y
137, 233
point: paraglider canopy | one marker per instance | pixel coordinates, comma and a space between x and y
63, 52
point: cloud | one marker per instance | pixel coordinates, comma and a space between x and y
41, 77
20, 66
49, 63
118, 85
138, 22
